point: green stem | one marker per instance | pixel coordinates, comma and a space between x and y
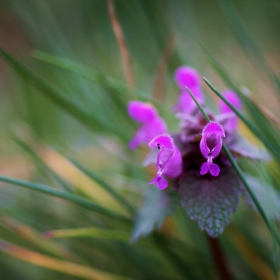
219, 258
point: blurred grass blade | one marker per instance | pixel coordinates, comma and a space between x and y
56, 96
246, 40
36, 238
247, 122
128, 71
67, 196
104, 185
40, 163
89, 232
234, 164
250, 255
160, 80
56, 264
89, 73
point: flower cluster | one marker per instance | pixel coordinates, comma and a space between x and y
192, 159
153, 131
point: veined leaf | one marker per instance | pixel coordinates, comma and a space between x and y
157, 206
210, 200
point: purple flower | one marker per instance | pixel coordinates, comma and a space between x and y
209, 191
232, 97
210, 147
169, 160
152, 124
187, 77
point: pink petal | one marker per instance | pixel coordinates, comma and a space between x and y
214, 169
141, 111
160, 181
187, 76
204, 168
233, 98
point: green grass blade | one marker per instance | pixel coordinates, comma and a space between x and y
245, 39
243, 180
67, 196
40, 163
246, 122
88, 73
56, 96
93, 232
104, 185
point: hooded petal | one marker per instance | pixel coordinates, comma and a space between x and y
211, 141
187, 76
169, 160
152, 124
141, 111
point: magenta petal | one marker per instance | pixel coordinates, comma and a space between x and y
185, 103
211, 141
160, 181
214, 128
162, 142
141, 111
173, 166
152, 124
214, 169
233, 98
218, 147
187, 76
204, 168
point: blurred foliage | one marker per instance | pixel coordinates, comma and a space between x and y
64, 124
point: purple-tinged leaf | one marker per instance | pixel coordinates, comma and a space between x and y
157, 206
268, 197
210, 200
239, 146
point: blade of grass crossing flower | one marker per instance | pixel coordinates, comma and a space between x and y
260, 121
243, 180
41, 260
122, 45
246, 121
67, 196
104, 185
